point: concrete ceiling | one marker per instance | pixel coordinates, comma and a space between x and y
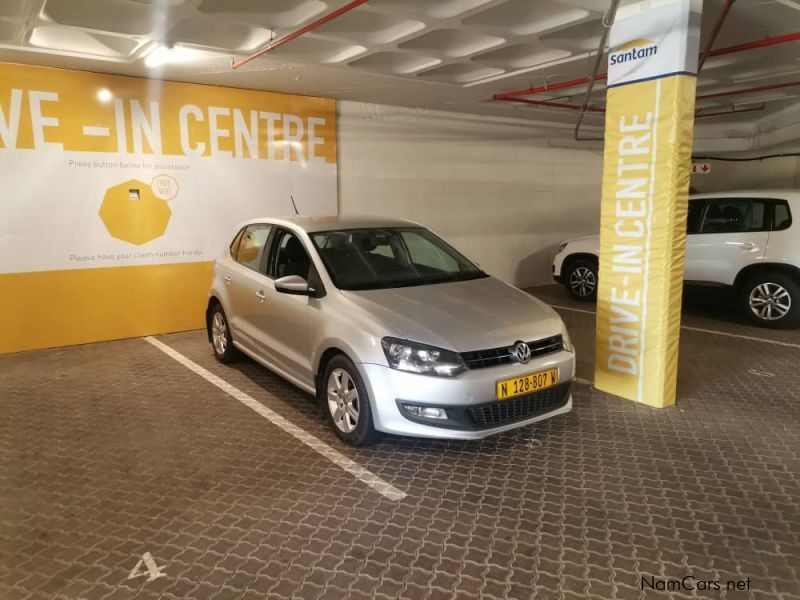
445, 54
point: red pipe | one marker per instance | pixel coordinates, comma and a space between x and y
291, 36
714, 32
762, 88
570, 106
728, 112
554, 104
548, 88
766, 42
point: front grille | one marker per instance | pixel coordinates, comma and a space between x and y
493, 414
480, 359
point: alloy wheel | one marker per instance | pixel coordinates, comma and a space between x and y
770, 301
219, 333
343, 400
582, 281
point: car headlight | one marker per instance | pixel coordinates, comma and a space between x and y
561, 247
566, 342
421, 358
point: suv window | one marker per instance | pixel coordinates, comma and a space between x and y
782, 216
251, 246
695, 214
289, 257
734, 216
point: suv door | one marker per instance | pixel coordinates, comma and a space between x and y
290, 323
693, 219
733, 233
246, 283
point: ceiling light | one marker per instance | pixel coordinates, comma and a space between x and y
104, 95
168, 54
157, 57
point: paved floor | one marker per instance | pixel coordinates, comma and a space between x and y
123, 474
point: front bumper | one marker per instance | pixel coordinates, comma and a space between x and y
469, 399
558, 262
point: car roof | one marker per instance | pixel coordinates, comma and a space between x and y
330, 223
777, 193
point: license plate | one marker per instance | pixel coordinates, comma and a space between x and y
526, 384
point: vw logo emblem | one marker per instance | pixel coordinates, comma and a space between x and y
522, 352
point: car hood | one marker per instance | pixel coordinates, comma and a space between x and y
461, 316
593, 237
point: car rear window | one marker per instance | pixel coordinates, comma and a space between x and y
781, 216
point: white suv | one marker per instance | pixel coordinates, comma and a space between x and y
742, 241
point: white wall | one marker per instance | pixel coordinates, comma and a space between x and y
781, 172
500, 190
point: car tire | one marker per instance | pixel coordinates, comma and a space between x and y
220, 334
345, 401
580, 279
771, 300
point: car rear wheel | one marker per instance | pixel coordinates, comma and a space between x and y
772, 300
346, 403
220, 333
581, 279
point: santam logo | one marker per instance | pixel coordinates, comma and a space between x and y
632, 51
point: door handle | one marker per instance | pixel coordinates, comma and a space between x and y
227, 279
261, 295
747, 245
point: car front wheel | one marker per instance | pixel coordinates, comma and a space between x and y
772, 300
346, 403
581, 279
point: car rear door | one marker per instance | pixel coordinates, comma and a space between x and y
733, 233
246, 284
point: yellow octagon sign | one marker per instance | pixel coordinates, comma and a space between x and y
131, 212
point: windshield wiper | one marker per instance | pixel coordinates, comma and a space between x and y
400, 283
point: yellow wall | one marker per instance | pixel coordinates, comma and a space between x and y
60, 308
81, 188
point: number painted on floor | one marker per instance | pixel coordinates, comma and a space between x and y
151, 570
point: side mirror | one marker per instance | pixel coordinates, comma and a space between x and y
294, 284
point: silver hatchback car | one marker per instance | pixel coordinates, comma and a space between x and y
391, 328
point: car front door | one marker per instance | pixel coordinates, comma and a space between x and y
289, 323
732, 234
246, 284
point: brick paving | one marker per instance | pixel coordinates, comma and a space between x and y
108, 451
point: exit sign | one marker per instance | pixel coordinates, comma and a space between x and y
701, 167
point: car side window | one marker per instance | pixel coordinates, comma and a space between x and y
289, 257
694, 216
781, 215
235, 244
251, 246
736, 215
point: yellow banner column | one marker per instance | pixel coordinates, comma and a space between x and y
648, 143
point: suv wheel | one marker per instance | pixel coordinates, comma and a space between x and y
581, 279
221, 340
345, 401
772, 300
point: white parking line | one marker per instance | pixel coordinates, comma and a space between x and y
580, 310
698, 329
379, 485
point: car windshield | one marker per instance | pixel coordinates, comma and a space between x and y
379, 258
